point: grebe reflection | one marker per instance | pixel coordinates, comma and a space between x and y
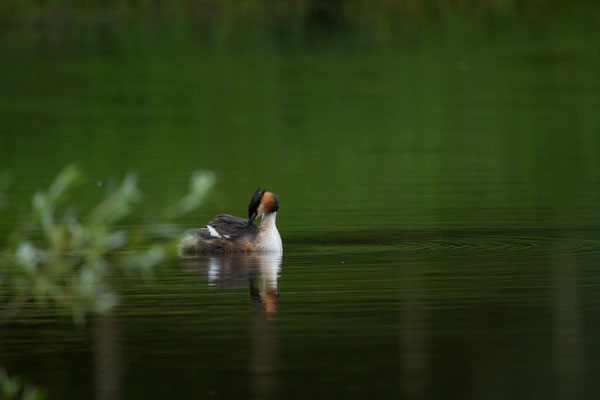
258, 270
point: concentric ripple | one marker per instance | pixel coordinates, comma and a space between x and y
459, 243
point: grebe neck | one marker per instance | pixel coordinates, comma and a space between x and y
268, 221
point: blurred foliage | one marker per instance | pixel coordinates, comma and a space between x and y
325, 13
58, 257
15, 388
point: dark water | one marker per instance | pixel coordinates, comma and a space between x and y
438, 184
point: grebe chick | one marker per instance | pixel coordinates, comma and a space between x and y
229, 234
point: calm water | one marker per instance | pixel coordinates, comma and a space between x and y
438, 181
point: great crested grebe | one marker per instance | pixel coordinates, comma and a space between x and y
229, 234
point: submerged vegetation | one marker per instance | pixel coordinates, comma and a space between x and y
58, 257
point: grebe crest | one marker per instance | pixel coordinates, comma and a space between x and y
229, 234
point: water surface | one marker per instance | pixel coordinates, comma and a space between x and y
438, 187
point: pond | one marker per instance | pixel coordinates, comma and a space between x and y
438, 187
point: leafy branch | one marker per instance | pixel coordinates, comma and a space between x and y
57, 257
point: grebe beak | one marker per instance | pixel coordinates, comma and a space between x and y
252, 218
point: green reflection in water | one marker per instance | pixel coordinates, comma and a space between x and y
437, 175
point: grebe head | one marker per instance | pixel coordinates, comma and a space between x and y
262, 202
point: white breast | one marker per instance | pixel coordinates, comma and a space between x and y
268, 237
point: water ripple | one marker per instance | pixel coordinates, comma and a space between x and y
472, 242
